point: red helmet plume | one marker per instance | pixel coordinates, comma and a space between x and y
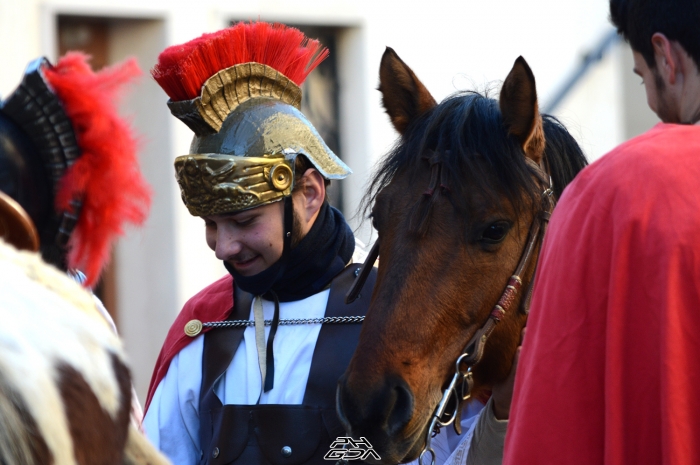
183, 69
105, 177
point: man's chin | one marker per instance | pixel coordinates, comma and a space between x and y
249, 267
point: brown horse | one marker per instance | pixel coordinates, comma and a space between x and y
452, 205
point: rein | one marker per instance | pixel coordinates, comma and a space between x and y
459, 389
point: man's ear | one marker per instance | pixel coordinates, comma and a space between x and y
311, 194
665, 57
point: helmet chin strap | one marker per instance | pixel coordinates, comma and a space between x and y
288, 226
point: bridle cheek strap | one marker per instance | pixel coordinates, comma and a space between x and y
525, 304
474, 350
475, 346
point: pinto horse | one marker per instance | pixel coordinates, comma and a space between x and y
65, 389
452, 205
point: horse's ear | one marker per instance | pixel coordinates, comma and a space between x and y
520, 111
404, 97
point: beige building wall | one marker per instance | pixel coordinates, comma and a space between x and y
451, 44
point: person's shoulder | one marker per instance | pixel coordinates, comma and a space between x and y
664, 150
666, 153
221, 288
650, 176
223, 283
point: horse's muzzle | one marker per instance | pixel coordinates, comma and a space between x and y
378, 413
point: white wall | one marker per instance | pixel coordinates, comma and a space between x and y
145, 263
593, 110
451, 45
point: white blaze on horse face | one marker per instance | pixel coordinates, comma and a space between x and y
50, 320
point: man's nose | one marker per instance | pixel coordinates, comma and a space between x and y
227, 244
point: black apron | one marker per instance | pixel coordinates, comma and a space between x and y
277, 434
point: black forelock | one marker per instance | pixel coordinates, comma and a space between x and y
468, 131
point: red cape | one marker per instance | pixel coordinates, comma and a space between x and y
609, 370
213, 303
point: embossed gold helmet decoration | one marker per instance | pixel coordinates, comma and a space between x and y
239, 90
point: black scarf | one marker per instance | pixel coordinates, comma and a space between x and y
309, 267
302, 271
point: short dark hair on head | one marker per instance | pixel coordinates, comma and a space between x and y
301, 164
638, 20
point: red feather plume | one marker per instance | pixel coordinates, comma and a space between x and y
106, 177
183, 69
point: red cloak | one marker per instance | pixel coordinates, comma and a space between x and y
608, 372
213, 303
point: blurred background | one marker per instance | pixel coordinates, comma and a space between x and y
583, 72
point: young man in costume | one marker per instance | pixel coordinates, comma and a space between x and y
263, 389
61, 142
608, 371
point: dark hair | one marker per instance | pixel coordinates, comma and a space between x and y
638, 20
468, 130
563, 154
301, 164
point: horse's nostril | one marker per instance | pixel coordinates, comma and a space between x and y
402, 409
387, 408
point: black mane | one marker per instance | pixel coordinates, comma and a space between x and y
467, 130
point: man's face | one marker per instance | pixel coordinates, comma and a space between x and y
657, 97
250, 241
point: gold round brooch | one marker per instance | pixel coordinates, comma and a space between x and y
193, 327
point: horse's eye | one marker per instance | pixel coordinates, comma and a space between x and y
374, 221
495, 232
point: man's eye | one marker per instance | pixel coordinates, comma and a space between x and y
495, 232
245, 222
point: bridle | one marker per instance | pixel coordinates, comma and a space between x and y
448, 410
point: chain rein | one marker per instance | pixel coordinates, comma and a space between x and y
462, 380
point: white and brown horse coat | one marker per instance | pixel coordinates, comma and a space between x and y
65, 389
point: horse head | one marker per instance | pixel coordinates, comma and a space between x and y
452, 205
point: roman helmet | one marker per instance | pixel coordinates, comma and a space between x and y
69, 177
239, 90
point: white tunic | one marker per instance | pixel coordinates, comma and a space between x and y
172, 421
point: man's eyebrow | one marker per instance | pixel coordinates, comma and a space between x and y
235, 215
